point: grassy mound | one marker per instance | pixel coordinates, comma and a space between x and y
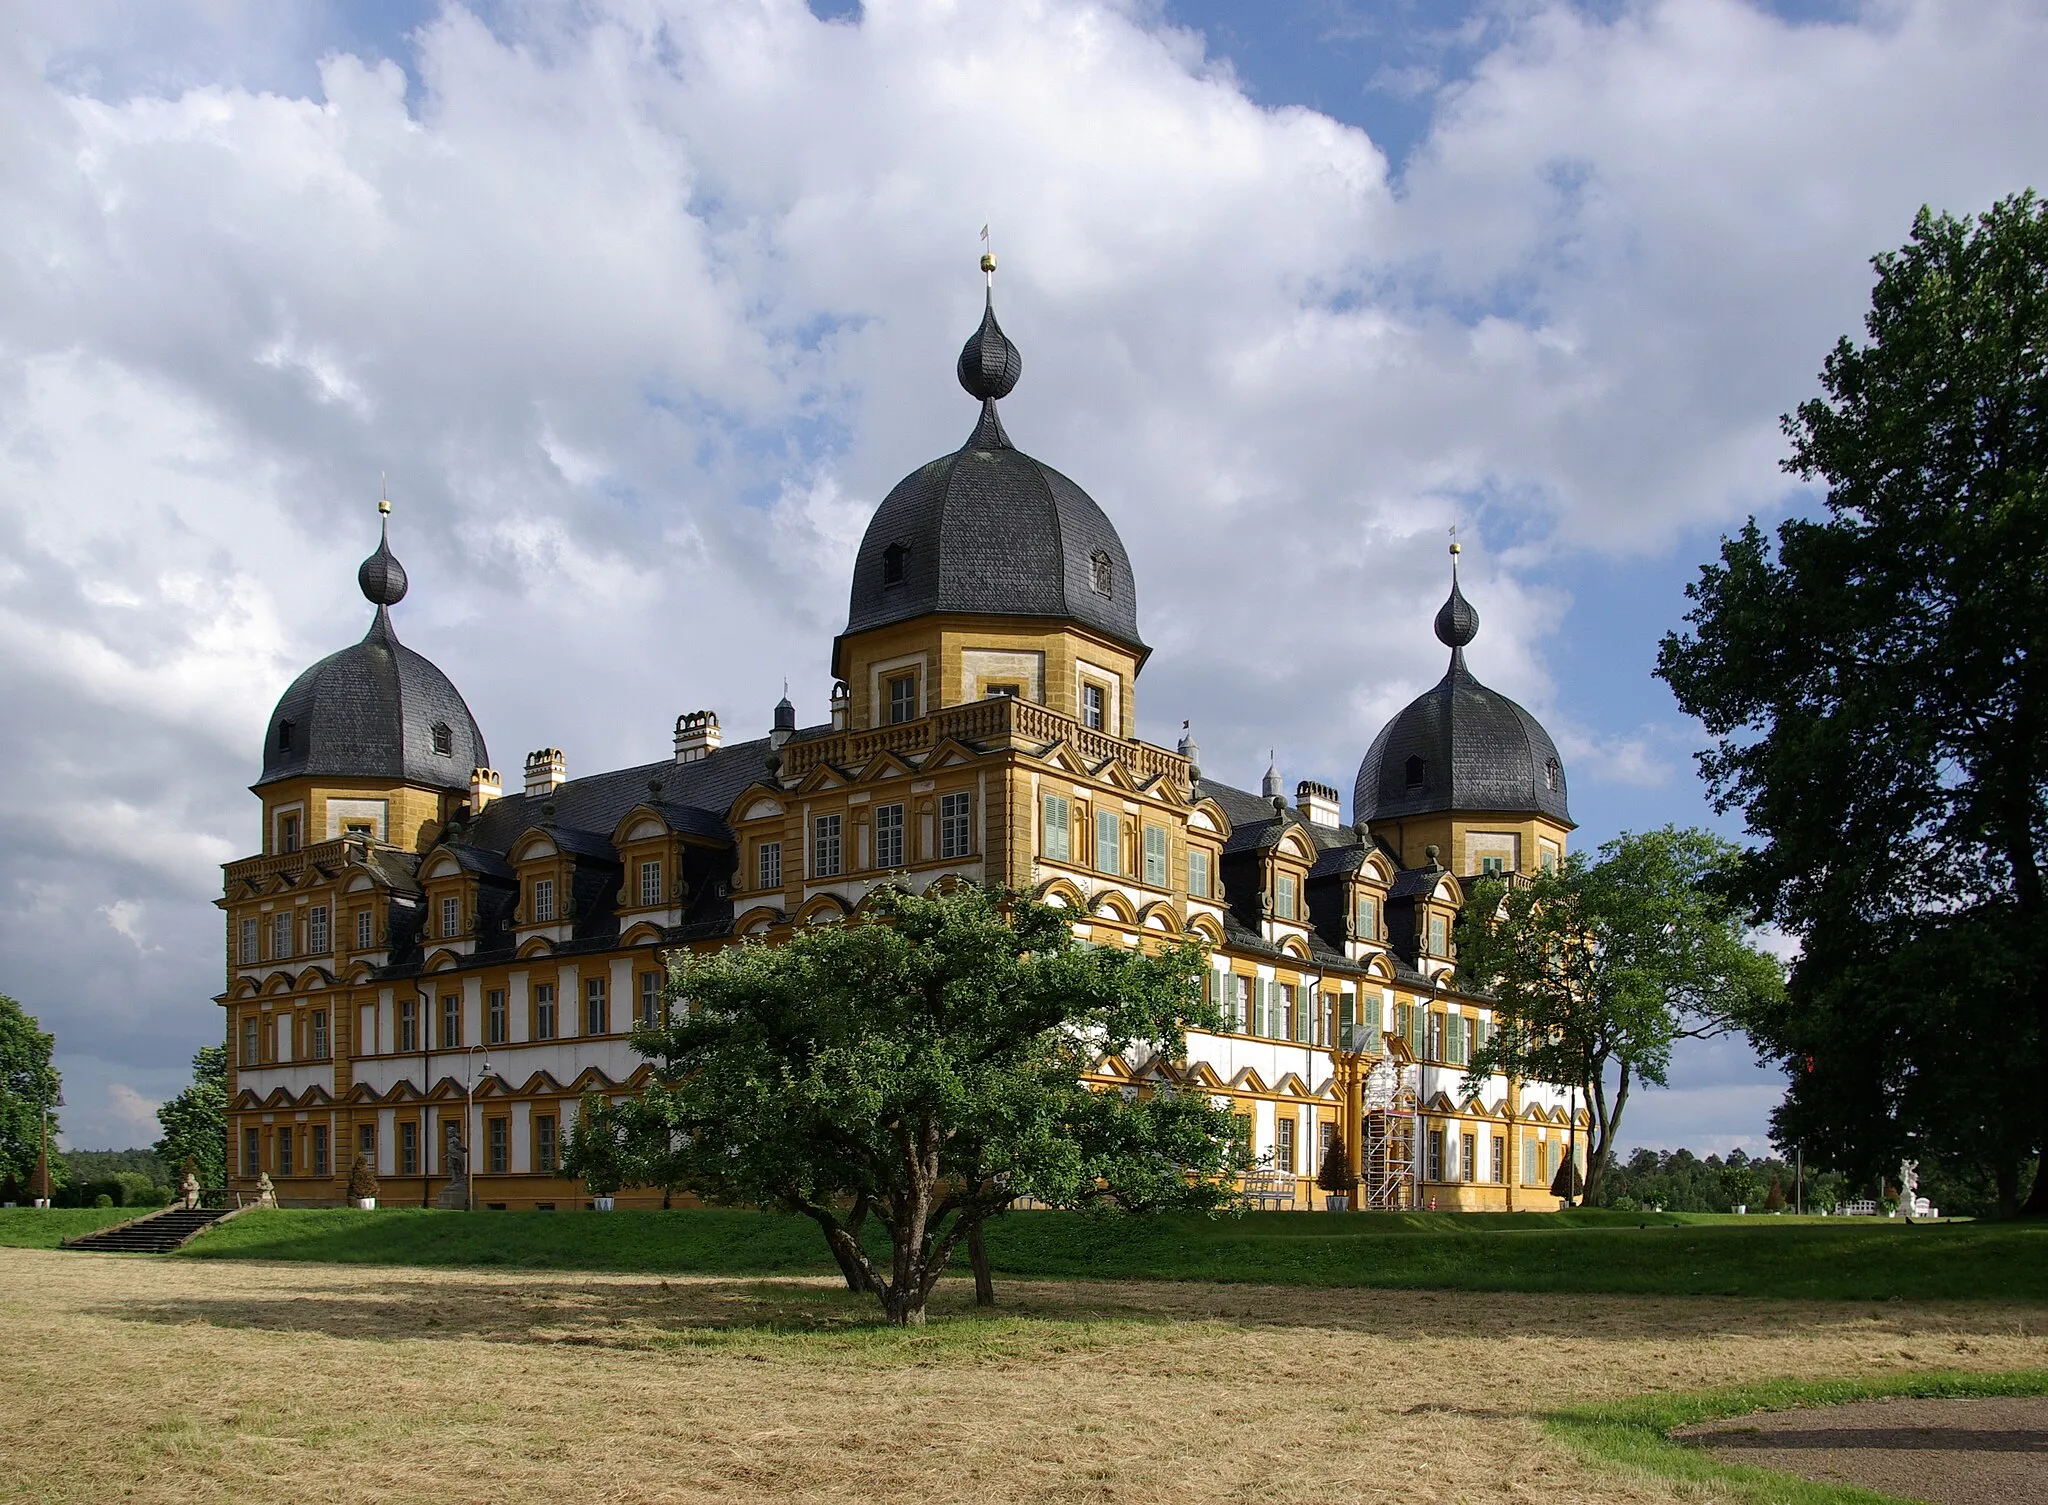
1584, 1252
46, 1227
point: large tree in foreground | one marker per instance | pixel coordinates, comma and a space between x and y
1878, 687
1597, 968
195, 1121
29, 1088
921, 1066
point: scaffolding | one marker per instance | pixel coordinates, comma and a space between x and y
1387, 1161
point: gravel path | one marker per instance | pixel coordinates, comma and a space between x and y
1949, 1452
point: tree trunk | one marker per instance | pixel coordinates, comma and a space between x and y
2005, 1175
977, 1255
1608, 1125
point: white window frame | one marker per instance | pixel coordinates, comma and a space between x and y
543, 901
824, 829
252, 942
889, 837
768, 864
956, 825
650, 883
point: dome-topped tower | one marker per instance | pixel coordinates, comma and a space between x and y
988, 532
1464, 751
375, 710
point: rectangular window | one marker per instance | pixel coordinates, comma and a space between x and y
250, 955
768, 864
902, 698
1529, 1153
316, 930
280, 936
288, 833
1418, 1027
595, 1021
1372, 1020
1198, 874
1500, 1159
956, 837
888, 836
1155, 856
319, 1149
1094, 706
1108, 842
366, 1143
1285, 1023
650, 999
543, 1011
451, 1021
1439, 936
284, 1150
408, 1149
1347, 1023
544, 1143
494, 1017
252, 1152
363, 933
1241, 1002
1491, 867
650, 884
408, 1024
1433, 1167
1454, 1040
1368, 924
825, 852
1404, 1024
497, 1138
1056, 845
1468, 1157
319, 1027
1283, 1142
1433, 1046
1283, 896
543, 901
252, 1040
451, 917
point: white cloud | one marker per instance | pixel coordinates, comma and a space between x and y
644, 306
130, 1110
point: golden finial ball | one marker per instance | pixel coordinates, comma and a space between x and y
384, 506
1457, 548
988, 261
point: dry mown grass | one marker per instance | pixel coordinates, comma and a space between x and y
179, 1380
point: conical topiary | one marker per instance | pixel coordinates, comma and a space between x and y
362, 1180
1335, 1175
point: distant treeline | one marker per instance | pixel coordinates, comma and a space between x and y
124, 1178
1680, 1181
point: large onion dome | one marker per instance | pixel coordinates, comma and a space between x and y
1459, 745
988, 530
376, 710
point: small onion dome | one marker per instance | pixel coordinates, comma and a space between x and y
1457, 623
381, 576
989, 364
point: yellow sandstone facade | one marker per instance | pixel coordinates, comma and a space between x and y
430, 971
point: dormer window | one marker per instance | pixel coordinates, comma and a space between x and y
1553, 774
444, 740
284, 736
1100, 574
893, 558
1415, 770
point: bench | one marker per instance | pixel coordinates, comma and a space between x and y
1269, 1189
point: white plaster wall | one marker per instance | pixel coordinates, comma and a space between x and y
264, 1080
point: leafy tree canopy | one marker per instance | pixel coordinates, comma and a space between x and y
29, 1087
195, 1121
1877, 685
921, 1068
1597, 968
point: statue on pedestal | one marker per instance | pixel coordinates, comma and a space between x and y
188, 1191
266, 1194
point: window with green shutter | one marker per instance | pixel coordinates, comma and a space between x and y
1155, 856
1346, 1028
1057, 846
1108, 843
1260, 990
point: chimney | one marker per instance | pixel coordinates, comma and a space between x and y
1317, 803
785, 721
696, 736
484, 786
842, 706
546, 771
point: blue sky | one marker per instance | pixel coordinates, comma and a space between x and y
644, 304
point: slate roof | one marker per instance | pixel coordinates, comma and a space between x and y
987, 530
369, 712
1473, 748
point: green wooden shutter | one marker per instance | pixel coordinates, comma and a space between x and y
1346, 1025
1304, 1001
1259, 1007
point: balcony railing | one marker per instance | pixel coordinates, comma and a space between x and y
1000, 721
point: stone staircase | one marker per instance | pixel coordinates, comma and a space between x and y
158, 1233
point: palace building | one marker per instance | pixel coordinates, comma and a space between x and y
430, 970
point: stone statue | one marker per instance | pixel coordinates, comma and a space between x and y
454, 1161
1909, 1184
266, 1194
188, 1191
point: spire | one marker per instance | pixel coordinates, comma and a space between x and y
1456, 622
989, 364
1271, 786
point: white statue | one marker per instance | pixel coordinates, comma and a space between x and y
1909, 1184
188, 1191
266, 1194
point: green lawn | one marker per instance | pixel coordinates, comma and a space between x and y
45, 1227
1568, 1252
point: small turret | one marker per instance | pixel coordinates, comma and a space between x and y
546, 770
785, 720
